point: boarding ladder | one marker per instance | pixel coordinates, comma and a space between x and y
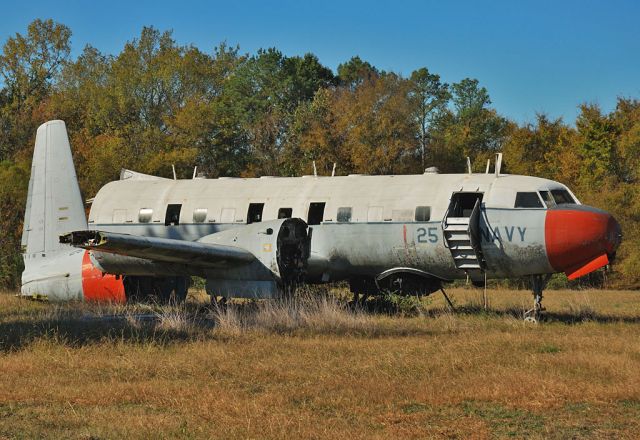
461, 236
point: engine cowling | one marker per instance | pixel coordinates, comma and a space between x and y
282, 249
259, 260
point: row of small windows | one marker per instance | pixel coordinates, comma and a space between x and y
315, 214
532, 199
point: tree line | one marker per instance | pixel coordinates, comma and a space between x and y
229, 113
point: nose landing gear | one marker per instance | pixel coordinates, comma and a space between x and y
538, 284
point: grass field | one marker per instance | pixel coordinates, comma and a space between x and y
316, 369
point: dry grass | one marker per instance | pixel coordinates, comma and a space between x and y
314, 368
304, 314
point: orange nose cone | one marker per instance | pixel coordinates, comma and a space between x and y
580, 239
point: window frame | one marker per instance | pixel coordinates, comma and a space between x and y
255, 212
315, 213
567, 193
422, 217
551, 203
145, 215
342, 211
542, 204
197, 212
172, 214
285, 213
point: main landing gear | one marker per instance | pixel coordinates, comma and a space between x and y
538, 284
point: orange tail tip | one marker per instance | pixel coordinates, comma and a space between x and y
592, 265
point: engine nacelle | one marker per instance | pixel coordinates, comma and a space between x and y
282, 249
276, 259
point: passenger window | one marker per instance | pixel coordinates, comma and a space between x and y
344, 215
562, 197
528, 200
285, 212
423, 213
173, 215
145, 214
316, 213
254, 215
548, 199
199, 215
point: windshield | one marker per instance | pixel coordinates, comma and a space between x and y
562, 197
548, 199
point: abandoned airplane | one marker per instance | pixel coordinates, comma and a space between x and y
258, 237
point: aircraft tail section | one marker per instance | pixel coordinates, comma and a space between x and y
54, 204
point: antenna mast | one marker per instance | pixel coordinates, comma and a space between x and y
498, 163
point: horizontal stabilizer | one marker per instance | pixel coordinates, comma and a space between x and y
159, 249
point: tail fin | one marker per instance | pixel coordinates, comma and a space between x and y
54, 203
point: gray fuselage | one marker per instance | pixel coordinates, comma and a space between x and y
380, 232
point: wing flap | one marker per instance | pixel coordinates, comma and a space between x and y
158, 249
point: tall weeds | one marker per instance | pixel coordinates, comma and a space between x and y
312, 313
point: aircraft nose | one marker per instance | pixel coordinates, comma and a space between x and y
580, 239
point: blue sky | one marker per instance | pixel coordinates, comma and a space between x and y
533, 56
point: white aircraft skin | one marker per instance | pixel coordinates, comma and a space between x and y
408, 233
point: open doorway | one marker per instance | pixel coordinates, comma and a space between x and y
462, 204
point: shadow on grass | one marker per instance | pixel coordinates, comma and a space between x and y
577, 317
75, 327
80, 324
411, 307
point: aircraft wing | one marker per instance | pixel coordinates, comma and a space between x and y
159, 249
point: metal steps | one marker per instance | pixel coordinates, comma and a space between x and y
456, 235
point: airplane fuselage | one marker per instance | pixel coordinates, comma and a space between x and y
361, 225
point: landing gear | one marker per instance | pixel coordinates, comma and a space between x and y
449, 303
538, 284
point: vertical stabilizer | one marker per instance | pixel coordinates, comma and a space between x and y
54, 203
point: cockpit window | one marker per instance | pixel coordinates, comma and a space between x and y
562, 197
548, 199
528, 200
